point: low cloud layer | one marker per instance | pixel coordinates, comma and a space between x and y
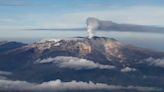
128, 69
5, 73
58, 85
74, 63
156, 62
2, 77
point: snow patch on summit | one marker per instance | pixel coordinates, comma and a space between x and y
49, 40
45, 44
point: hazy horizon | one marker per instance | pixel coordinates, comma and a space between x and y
32, 14
141, 39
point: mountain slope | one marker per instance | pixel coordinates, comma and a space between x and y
7, 46
100, 59
98, 49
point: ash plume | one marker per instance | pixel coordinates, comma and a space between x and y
92, 25
107, 25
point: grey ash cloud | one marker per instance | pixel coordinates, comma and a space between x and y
113, 26
94, 24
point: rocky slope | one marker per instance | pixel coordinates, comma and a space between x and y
100, 59
7, 46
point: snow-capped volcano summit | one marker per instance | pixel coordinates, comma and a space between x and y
97, 59
99, 49
82, 47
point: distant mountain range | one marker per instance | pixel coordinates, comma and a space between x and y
99, 60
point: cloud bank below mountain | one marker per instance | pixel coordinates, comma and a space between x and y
58, 85
74, 63
156, 62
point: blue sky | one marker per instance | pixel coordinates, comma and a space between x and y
72, 13
29, 14
16, 15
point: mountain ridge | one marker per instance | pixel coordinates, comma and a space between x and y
109, 49
99, 59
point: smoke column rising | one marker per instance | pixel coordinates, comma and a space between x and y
92, 25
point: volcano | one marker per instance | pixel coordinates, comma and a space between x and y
98, 59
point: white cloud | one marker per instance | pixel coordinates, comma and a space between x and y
74, 63
5, 73
128, 69
2, 77
58, 85
156, 62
